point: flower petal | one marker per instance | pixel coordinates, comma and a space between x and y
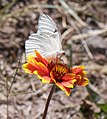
65, 89
78, 79
43, 70
38, 65
83, 82
68, 77
33, 62
28, 68
68, 80
79, 70
33, 65
52, 76
30, 59
67, 84
45, 79
41, 59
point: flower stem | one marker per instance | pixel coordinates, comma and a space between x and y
48, 101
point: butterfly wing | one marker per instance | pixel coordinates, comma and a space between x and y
46, 25
47, 39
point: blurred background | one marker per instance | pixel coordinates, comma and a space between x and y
83, 25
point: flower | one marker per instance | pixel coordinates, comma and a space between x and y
54, 71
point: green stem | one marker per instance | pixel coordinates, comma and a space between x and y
48, 101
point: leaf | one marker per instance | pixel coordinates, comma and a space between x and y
97, 115
94, 96
103, 107
105, 117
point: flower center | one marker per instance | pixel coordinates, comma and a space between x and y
58, 71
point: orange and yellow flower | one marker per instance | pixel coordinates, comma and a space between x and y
54, 71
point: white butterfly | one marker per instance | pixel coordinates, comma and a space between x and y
47, 40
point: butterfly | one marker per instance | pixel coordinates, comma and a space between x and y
47, 40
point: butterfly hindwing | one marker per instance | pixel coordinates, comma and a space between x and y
47, 40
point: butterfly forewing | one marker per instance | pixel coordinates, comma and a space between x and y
46, 25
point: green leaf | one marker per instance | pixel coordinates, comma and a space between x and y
93, 95
97, 115
105, 117
103, 107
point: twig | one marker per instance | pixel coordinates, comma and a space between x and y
8, 89
7, 6
87, 49
14, 77
39, 7
75, 26
71, 12
66, 33
7, 96
25, 10
48, 101
92, 33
